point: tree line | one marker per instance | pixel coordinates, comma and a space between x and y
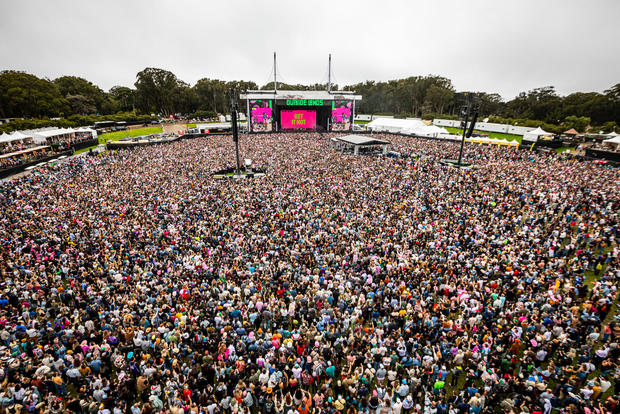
161, 92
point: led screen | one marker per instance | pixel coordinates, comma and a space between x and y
261, 115
341, 115
298, 119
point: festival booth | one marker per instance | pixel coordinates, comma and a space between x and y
85, 134
50, 136
571, 133
536, 134
613, 142
23, 156
15, 142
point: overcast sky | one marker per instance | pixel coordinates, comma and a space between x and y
503, 46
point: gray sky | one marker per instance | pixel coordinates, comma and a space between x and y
504, 46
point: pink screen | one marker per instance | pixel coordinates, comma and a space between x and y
298, 119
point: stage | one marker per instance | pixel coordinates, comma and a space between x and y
271, 111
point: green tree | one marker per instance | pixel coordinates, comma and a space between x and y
123, 97
25, 95
437, 97
580, 123
82, 105
76, 86
160, 90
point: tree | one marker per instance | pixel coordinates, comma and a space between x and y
159, 90
580, 123
437, 97
202, 114
73, 85
490, 103
123, 97
82, 105
613, 93
212, 95
25, 95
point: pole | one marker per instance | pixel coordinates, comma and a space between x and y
464, 129
275, 79
353, 117
248, 118
329, 74
233, 119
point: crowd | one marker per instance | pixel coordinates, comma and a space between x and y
136, 283
13, 160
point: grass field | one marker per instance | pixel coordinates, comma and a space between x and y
115, 136
498, 135
564, 149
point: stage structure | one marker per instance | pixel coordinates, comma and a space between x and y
281, 110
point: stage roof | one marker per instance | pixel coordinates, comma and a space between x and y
324, 95
361, 140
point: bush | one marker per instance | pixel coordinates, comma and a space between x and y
202, 114
73, 121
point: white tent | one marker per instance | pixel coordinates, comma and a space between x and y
613, 142
15, 136
6, 138
20, 135
85, 129
425, 131
42, 136
394, 125
534, 134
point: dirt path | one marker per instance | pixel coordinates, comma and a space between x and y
176, 127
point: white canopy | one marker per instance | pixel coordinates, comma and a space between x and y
42, 136
5, 138
15, 136
394, 125
425, 130
613, 142
20, 135
533, 135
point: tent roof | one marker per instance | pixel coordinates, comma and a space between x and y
395, 123
361, 140
20, 135
538, 131
425, 130
571, 131
614, 140
54, 132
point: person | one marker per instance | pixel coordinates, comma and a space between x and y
335, 283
